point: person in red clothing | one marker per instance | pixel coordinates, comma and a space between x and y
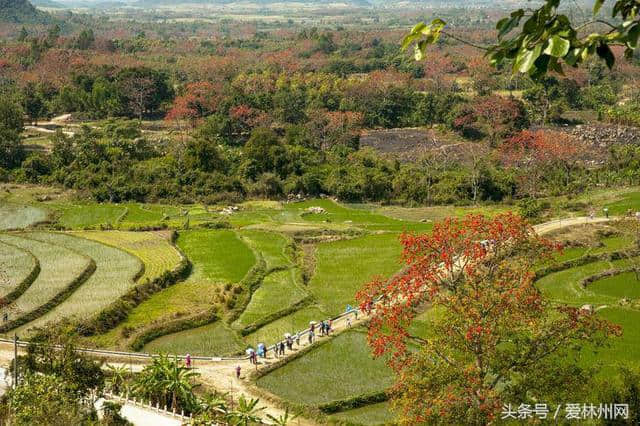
187, 360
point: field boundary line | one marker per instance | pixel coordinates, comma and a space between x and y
118, 310
26, 282
354, 311
60, 297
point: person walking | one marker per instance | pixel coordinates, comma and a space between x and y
282, 348
348, 322
238, 372
298, 338
606, 212
187, 360
310, 336
356, 314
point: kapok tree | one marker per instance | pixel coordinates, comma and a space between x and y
535, 154
492, 339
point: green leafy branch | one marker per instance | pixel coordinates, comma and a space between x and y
536, 41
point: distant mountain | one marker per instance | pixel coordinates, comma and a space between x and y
48, 3
22, 12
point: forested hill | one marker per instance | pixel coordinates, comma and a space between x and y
22, 12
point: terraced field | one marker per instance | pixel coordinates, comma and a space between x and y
154, 249
339, 369
89, 215
278, 291
272, 247
369, 415
613, 297
59, 268
336, 213
343, 267
16, 265
218, 257
113, 277
148, 213
214, 338
17, 216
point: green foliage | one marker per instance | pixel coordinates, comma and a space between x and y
11, 149
168, 383
21, 11
538, 41
84, 40
532, 208
45, 399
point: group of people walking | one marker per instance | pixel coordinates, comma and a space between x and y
324, 328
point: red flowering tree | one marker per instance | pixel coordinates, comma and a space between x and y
492, 338
199, 100
535, 155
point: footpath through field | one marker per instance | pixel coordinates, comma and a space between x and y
220, 373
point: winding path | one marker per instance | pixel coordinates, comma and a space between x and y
219, 373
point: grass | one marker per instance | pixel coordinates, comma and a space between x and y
621, 286
278, 291
343, 267
17, 216
59, 266
15, 266
115, 270
564, 286
154, 249
148, 213
622, 350
270, 245
374, 414
292, 323
210, 339
218, 257
89, 215
221, 255
438, 213
362, 217
608, 244
630, 201
339, 369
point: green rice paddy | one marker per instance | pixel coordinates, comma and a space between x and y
15, 266
278, 291
18, 216
210, 339
59, 266
336, 370
113, 277
343, 267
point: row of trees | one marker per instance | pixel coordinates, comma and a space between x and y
117, 163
